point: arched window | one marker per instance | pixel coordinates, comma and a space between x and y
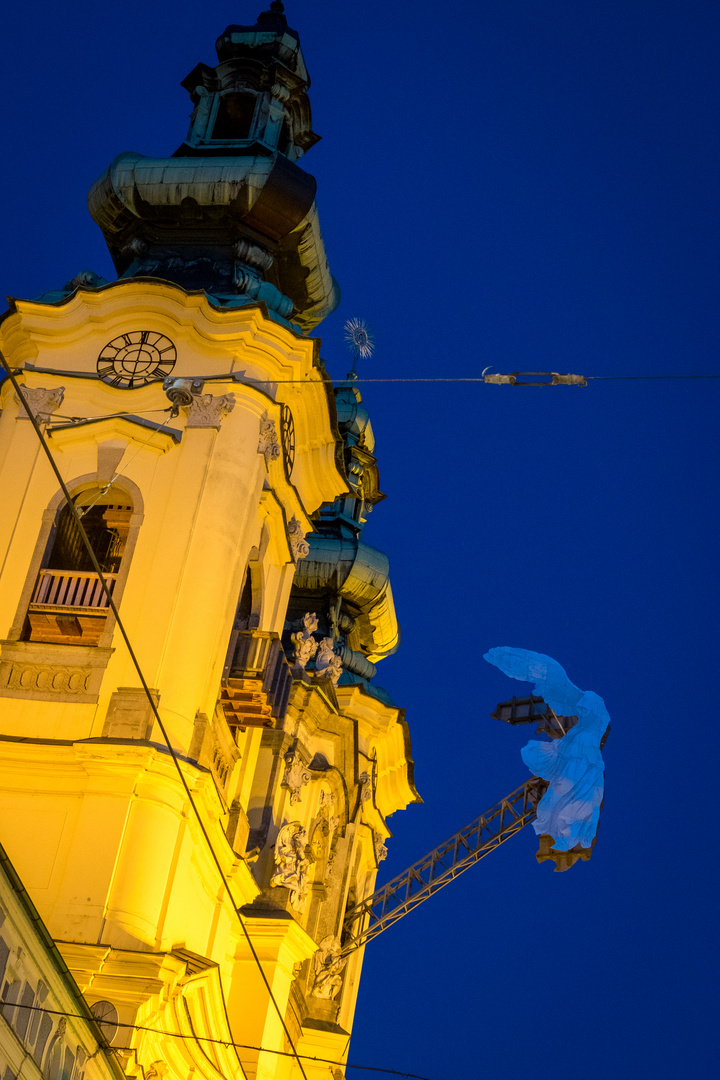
37, 1015
55, 1055
43, 1035
68, 603
22, 1019
234, 117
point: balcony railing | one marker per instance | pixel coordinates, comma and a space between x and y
256, 679
71, 589
69, 607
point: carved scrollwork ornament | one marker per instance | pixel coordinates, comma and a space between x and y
296, 776
209, 411
366, 786
40, 402
381, 851
280, 92
298, 544
268, 443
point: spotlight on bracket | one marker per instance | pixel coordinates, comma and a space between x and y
180, 392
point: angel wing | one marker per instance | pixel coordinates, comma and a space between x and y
548, 677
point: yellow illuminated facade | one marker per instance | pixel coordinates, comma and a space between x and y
215, 502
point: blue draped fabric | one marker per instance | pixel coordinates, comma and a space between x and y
573, 765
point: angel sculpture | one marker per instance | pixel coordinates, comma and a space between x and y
304, 642
569, 810
327, 663
327, 967
292, 864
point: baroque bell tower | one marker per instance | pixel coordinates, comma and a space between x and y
192, 849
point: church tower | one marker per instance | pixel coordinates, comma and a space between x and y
192, 844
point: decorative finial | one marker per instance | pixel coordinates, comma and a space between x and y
360, 341
277, 8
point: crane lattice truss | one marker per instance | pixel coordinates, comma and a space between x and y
381, 909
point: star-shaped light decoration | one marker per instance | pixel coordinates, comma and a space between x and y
360, 341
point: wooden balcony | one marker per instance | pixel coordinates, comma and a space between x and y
69, 607
256, 680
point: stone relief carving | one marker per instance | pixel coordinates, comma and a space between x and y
323, 841
298, 544
319, 848
292, 864
327, 967
268, 444
207, 411
381, 850
40, 402
365, 782
222, 763
296, 776
49, 678
327, 664
305, 644
327, 806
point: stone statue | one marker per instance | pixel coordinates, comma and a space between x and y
327, 966
327, 664
292, 864
304, 642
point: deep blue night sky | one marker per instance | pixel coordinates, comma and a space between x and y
532, 185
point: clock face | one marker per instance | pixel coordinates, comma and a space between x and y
287, 436
106, 1015
136, 358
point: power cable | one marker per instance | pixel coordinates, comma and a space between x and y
113, 608
236, 376
106, 416
103, 491
215, 1042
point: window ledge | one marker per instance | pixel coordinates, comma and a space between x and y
38, 671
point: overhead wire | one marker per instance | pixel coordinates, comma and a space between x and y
209, 1039
236, 376
151, 700
103, 491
